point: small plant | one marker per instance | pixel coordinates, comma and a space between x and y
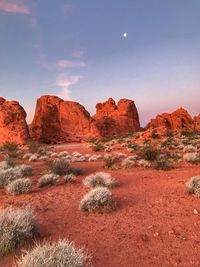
62, 253
48, 180
99, 179
129, 162
99, 198
33, 146
144, 163
192, 157
11, 148
69, 178
111, 161
98, 147
148, 153
163, 164
19, 186
193, 185
16, 227
60, 166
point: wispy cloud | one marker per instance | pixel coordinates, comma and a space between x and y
65, 83
78, 53
14, 6
70, 64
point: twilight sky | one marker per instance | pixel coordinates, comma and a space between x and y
76, 50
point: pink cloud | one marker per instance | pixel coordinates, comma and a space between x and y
14, 6
70, 64
65, 83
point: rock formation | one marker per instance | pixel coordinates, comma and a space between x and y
175, 122
13, 126
117, 120
58, 121
197, 123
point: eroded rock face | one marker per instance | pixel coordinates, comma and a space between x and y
58, 121
197, 123
177, 121
117, 120
13, 126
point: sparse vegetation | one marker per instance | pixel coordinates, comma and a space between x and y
62, 253
60, 166
111, 161
99, 179
11, 148
33, 146
148, 153
193, 185
69, 178
99, 198
16, 227
19, 186
48, 180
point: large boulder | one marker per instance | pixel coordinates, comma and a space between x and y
117, 120
13, 126
59, 121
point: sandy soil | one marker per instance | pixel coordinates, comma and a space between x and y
154, 224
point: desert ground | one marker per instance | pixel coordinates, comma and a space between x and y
155, 221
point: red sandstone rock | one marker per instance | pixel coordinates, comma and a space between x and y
116, 120
58, 121
13, 126
197, 123
178, 121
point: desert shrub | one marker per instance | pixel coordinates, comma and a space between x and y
62, 253
63, 154
7, 163
129, 162
60, 166
111, 161
69, 178
9, 175
25, 170
33, 146
98, 147
154, 134
99, 198
192, 157
11, 148
162, 164
144, 163
19, 186
99, 179
33, 157
193, 185
16, 227
189, 149
148, 153
48, 180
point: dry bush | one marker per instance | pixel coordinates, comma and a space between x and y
163, 164
60, 166
148, 153
99, 198
111, 161
144, 163
193, 185
48, 180
58, 254
33, 146
129, 162
192, 157
189, 149
19, 186
98, 147
11, 148
69, 178
99, 179
16, 227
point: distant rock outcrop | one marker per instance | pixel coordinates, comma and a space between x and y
117, 120
197, 123
59, 121
175, 122
13, 126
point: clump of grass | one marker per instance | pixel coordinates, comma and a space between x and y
144, 163
60, 166
99, 179
62, 253
163, 164
98, 146
19, 186
192, 157
193, 185
149, 153
11, 148
111, 161
48, 180
33, 146
129, 162
16, 227
99, 198
69, 178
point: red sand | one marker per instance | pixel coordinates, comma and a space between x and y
154, 224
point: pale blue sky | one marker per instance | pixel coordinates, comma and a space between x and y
76, 49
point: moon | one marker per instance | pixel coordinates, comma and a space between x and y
125, 34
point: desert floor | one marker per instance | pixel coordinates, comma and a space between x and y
156, 222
